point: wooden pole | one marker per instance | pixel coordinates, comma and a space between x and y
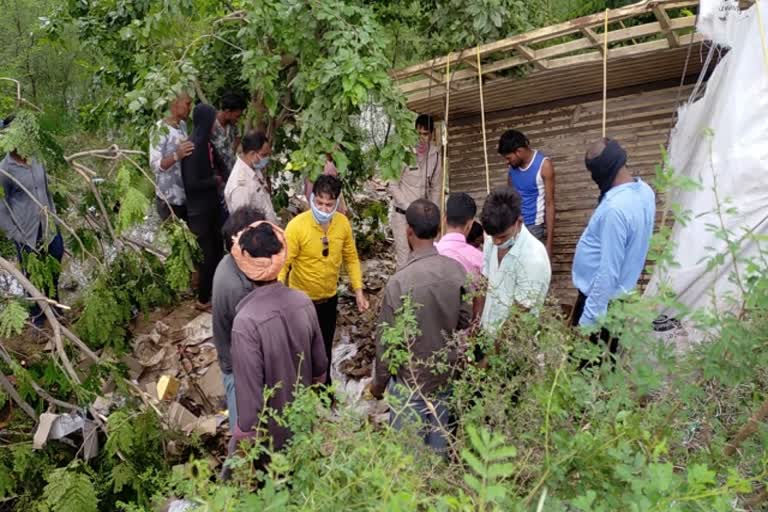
445, 136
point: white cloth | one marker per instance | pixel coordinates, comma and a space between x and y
247, 187
733, 160
522, 278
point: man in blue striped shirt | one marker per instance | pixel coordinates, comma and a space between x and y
611, 253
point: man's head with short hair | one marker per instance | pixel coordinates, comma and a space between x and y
501, 216
460, 211
256, 146
181, 106
238, 221
423, 218
260, 242
231, 107
513, 147
596, 148
475, 236
328, 186
425, 126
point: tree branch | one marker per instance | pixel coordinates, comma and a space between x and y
46, 308
8, 387
39, 390
21, 100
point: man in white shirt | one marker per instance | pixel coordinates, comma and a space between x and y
516, 264
168, 145
246, 185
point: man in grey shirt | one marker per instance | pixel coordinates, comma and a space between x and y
435, 284
24, 208
230, 285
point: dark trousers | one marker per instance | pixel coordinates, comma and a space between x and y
206, 229
327, 311
164, 212
602, 337
56, 249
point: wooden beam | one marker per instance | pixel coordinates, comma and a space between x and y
666, 27
530, 55
592, 37
561, 29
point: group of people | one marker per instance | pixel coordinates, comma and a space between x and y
273, 292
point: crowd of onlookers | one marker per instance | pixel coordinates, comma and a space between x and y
273, 290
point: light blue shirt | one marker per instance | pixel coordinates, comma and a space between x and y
521, 278
610, 255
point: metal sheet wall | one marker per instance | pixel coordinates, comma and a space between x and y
640, 121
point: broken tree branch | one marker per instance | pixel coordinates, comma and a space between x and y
8, 387
49, 315
39, 390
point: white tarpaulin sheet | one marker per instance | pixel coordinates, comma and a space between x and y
734, 159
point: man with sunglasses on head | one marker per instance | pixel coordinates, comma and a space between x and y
319, 241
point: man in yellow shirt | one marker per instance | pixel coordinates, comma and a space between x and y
319, 241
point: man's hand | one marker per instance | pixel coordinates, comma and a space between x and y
362, 302
185, 149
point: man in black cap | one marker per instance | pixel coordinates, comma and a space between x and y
611, 253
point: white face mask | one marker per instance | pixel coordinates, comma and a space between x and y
508, 243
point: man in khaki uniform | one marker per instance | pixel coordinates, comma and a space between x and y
416, 182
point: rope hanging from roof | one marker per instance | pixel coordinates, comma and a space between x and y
605, 70
445, 132
482, 120
761, 27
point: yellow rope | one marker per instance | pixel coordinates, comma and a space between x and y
605, 69
762, 34
445, 131
482, 118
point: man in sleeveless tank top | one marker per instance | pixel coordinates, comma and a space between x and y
533, 176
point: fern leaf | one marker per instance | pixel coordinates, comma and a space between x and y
474, 462
12, 319
497, 471
505, 452
474, 439
69, 491
122, 476
473, 483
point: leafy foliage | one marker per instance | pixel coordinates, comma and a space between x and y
396, 338
488, 460
69, 491
13, 316
22, 136
134, 203
43, 271
184, 253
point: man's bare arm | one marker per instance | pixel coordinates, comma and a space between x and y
548, 175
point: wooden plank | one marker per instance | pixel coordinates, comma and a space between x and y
540, 34
592, 37
663, 18
530, 55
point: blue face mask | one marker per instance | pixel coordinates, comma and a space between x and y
320, 216
261, 164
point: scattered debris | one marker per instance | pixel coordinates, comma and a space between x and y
62, 426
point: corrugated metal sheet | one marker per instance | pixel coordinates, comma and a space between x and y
570, 82
640, 121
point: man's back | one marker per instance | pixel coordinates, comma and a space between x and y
435, 284
455, 246
276, 343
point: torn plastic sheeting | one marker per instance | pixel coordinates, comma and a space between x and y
59, 426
